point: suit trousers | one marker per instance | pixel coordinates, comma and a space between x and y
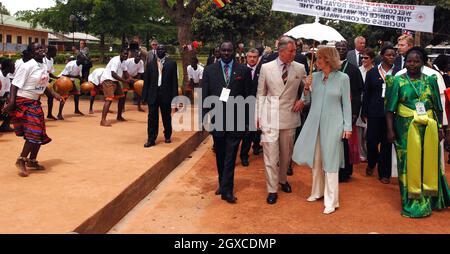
153, 119
226, 148
377, 136
251, 137
347, 171
324, 184
277, 158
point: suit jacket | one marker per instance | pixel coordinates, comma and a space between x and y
210, 60
373, 103
169, 84
351, 57
213, 83
397, 64
356, 85
254, 82
272, 90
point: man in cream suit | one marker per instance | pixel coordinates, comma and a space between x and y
278, 116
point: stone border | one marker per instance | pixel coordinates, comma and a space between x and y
107, 217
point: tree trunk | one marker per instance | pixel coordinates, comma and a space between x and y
102, 48
185, 38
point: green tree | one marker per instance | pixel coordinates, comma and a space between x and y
181, 13
120, 18
3, 9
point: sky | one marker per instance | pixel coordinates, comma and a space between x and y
19, 5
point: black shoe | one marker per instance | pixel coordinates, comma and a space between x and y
344, 179
244, 162
290, 172
272, 198
168, 141
286, 187
217, 192
257, 150
229, 198
6, 129
149, 144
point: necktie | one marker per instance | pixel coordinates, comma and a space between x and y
284, 76
253, 73
227, 76
359, 59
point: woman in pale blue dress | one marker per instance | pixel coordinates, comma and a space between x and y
329, 121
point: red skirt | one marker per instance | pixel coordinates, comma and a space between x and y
353, 146
28, 121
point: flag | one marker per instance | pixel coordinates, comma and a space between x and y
219, 3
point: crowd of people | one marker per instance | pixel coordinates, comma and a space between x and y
335, 108
387, 109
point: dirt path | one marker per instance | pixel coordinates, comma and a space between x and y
185, 203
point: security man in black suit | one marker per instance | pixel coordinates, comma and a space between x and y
251, 137
221, 79
356, 88
160, 87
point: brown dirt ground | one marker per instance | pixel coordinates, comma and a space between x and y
87, 166
185, 203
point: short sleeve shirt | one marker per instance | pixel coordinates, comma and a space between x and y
71, 69
114, 65
95, 76
31, 79
134, 69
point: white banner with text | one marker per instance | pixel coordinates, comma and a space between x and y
400, 16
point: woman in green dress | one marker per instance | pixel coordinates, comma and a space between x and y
414, 122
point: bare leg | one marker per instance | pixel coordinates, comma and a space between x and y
20, 163
91, 104
106, 107
50, 108
139, 99
61, 107
120, 108
76, 99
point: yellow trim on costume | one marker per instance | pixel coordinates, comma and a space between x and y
414, 160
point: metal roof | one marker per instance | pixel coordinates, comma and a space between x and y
11, 21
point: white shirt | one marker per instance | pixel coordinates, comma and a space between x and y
50, 64
71, 69
357, 53
6, 84
281, 65
17, 65
364, 71
31, 79
95, 76
196, 75
116, 66
134, 69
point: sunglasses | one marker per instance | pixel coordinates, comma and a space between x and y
365, 57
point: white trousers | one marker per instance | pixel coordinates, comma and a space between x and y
323, 182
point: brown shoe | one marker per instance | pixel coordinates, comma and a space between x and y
369, 171
34, 164
385, 180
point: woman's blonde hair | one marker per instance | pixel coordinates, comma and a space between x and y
331, 57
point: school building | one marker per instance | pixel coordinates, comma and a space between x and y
16, 35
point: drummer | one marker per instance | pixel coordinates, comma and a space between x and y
94, 78
135, 71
